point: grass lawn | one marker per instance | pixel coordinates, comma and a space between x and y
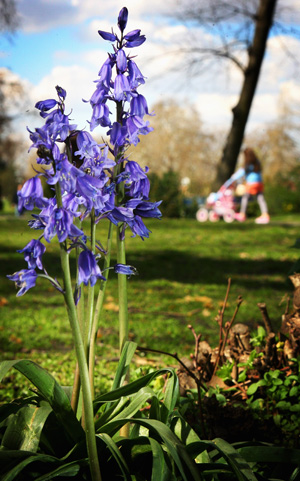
183, 271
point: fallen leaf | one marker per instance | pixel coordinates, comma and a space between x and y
111, 306
3, 301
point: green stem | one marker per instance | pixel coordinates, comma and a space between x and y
80, 315
81, 357
91, 291
121, 252
122, 290
98, 307
123, 309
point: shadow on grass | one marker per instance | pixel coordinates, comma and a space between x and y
183, 267
175, 266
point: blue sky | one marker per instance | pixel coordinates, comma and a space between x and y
58, 43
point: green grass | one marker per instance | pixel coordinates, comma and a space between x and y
183, 271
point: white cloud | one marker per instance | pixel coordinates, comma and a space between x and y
42, 15
78, 83
215, 108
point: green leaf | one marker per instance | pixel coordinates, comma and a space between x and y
12, 474
68, 470
51, 392
136, 402
177, 450
158, 463
130, 388
253, 387
171, 392
116, 453
294, 391
14, 406
24, 428
124, 363
283, 405
239, 465
295, 475
270, 454
183, 430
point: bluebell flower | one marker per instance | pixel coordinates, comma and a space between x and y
71, 202
45, 105
135, 127
31, 195
100, 116
107, 36
139, 184
66, 174
61, 224
118, 134
99, 96
138, 106
61, 92
138, 227
148, 209
125, 269
122, 214
105, 74
90, 187
134, 39
121, 60
122, 19
121, 87
135, 76
87, 146
88, 269
33, 252
41, 137
24, 279
58, 125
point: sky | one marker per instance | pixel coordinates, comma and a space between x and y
58, 44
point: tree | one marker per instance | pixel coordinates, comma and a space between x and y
9, 19
179, 144
242, 29
12, 101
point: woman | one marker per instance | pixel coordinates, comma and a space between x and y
254, 186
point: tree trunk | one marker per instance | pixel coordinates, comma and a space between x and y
241, 111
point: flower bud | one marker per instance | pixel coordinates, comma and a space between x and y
122, 19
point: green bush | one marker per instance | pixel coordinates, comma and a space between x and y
167, 189
282, 195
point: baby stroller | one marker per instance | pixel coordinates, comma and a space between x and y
218, 204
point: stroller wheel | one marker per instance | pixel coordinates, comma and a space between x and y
213, 216
202, 215
229, 216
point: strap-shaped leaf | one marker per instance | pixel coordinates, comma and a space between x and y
183, 430
24, 428
129, 410
124, 363
176, 449
159, 467
50, 391
116, 453
238, 464
270, 454
13, 473
132, 387
68, 470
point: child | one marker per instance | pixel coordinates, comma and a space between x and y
254, 186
